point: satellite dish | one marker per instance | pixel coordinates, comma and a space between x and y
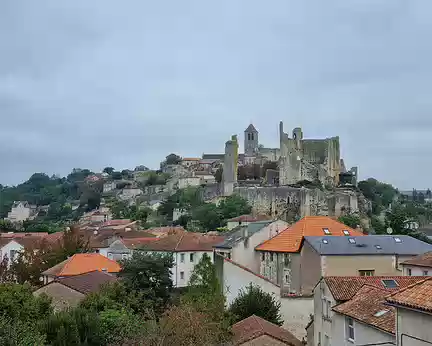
389, 230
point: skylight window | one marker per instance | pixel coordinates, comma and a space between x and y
380, 313
325, 241
378, 247
397, 240
390, 283
326, 231
346, 232
352, 240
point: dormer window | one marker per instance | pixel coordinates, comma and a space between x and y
326, 231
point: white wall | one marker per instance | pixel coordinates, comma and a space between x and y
19, 214
186, 267
11, 246
413, 328
295, 311
363, 334
416, 271
245, 254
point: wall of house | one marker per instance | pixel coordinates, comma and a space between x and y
190, 181
416, 271
295, 311
186, 267
10, 247
413, 328
264, 340
350, 265
309, 270
19, 213
363, 334
244, 253
62, 296
322, 324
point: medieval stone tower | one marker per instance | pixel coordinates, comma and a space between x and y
250, 141
229, 177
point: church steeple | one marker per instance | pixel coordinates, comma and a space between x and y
250, 141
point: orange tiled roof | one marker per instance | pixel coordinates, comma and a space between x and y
83, 263
369, 306
345, 287
417, 296
290, 240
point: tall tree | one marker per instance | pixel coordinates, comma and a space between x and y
254, 301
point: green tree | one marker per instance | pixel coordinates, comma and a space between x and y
209, 216
219, 174
172, 159
119, 325
254, 301
350, 220
19, 333
233, 206
149, 274
18, 303
7, 226
108, 170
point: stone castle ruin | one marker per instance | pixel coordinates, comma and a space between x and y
299, 160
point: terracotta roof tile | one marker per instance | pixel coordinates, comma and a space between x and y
83, 263
368, 306
23, 234
417, 296
249, 218
164, 231
184, 241
253, 327
290, 240
88, 282
424, 260
136, 243
345, 287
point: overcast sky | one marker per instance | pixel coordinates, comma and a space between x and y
120, 83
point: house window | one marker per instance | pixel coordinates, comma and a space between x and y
286, 259
271, 256
409, 272
181, 275
263, 256
191, 257
367, 272
286, 278
110, 255
352, 240
97, 251
349, 322
326, 308
182, 257
425, 273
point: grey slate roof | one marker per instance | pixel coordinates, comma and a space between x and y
369, 245
237, 234
213, 156
251, 128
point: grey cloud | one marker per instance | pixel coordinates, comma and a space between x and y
97, 83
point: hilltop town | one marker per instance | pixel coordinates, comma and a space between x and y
280, 246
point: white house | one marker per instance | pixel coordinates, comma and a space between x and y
188, 181
187, 249
414, 314
21, 211
295, 310
10, 248
239, 243
244, 220
334, 323
109, 186
418, 266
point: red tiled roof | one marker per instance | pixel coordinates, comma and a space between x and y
102, 238
424, 260
417, 296
119, 222
368, 306
254, 326
83, 263
249, 218
345, 287
23, 234
184, 241
88, 282
290, 240
163, 231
